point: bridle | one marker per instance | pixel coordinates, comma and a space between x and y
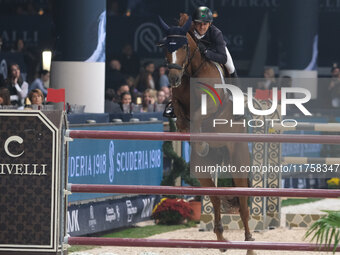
188, 59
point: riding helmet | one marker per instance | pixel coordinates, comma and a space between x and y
203, 14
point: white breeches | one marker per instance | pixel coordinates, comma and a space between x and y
230, 64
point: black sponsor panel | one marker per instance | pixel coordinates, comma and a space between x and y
28, 181
110, 214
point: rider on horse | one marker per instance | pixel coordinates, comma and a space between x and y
211, 45
210, 39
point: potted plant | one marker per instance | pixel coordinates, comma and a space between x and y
171, 211
326, 230
196, 206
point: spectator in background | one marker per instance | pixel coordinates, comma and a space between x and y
269, 79
334, 86
335, 71
4, 97
125, 102
110, 106
115, 78
166, 91
160, 97
130, 81
36, 97
17, 87
130, 61
38, 83
163, 80
134, 92
148, 101
122, 89
145, 79
29, 59
160, 104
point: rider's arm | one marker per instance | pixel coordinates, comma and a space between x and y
218, 54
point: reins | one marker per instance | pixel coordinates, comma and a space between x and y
193, 55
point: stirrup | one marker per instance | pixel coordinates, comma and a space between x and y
169, 111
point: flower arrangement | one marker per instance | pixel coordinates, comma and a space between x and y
334, 183
170, 211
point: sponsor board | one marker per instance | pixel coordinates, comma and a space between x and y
109, 214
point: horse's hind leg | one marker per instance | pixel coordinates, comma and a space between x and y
241, 180
216, 201
244, 210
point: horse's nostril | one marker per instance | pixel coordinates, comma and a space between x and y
173, 78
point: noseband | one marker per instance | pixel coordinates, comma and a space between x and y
187, 59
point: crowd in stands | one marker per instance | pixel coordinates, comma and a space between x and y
16, 93
135, 87
131, 86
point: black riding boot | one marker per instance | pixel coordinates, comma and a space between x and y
234, 75
169, 111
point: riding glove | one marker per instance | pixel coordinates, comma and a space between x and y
202, 48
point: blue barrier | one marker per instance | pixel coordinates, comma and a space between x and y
115, 161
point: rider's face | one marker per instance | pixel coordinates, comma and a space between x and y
202, 27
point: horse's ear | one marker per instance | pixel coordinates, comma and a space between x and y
163, 24
187, 25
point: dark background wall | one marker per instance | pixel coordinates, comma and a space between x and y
240, 20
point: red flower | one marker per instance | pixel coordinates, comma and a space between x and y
171, 211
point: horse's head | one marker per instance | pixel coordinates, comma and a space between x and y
177, 52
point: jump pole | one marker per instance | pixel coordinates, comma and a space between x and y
173, 243
207, 137
213, 191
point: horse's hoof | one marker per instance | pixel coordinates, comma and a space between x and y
223, 250
251, 252
249, 237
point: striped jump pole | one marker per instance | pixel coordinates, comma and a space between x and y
234, 191
173, 243
307, 126
309, 160
208, 137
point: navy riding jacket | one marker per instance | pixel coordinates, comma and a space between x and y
214, 41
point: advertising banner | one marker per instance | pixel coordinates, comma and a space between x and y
115, 161
110, 214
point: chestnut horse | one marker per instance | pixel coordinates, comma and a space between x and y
185, 62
